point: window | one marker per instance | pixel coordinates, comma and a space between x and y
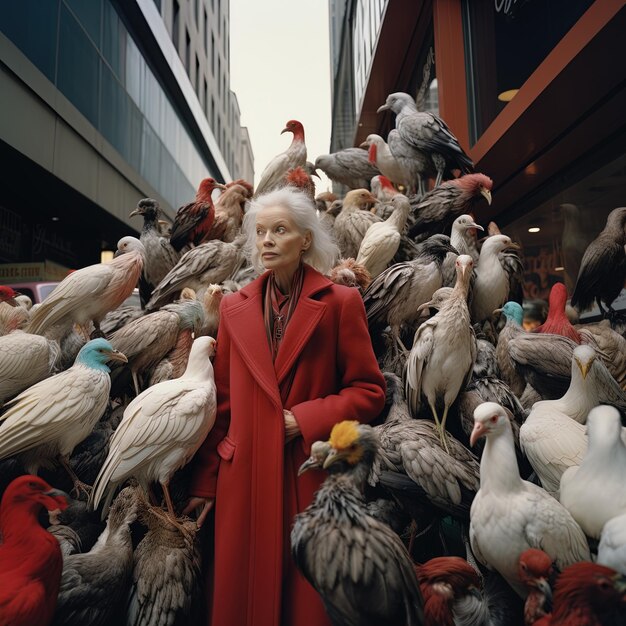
196, 14
206, 98
212, 52
219, 71
198, 82
158, 4
175, 24
505, 42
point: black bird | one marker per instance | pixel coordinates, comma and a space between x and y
603, 268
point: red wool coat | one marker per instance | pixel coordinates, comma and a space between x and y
257, 489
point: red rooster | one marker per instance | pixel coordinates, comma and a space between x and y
444, 580
588, 594
535, 571
557, 322
8, 295
30, 557
194, 220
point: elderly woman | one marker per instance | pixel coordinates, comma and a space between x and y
293, 358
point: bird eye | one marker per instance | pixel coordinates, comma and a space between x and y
35, 486
494, 419
605, 584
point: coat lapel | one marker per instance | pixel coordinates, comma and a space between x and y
303, 322
247, 331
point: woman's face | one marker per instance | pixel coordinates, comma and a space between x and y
278, 240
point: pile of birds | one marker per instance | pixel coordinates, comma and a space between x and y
490, 491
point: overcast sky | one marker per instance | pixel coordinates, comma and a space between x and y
280, 70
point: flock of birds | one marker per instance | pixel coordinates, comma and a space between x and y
489, 492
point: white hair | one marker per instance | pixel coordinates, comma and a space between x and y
323, 252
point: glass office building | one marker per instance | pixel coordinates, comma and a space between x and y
128, 102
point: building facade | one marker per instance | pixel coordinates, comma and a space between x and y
535, 91
106, 102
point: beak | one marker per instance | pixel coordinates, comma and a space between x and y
451, 248
284, 130
478, 226
314, 173
496, 312
364, 145
478, 432
310, 463
513, 246
584, 367
116, 355
373, 198
333, 457
220, 186
619, 582
544, 586
487, 194
423, 307
135, 212
384, 107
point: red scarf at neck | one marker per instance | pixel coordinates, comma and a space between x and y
278, 308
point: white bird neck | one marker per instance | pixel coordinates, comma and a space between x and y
499, 472
579, 398
399, 216
459, 239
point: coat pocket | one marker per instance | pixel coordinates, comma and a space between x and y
226, 449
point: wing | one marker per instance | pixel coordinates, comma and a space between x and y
155, 330
378, 247
552, 447
544, 361
58, 409
552, 529
188, 219
356, 163
86, 284
168, 418
190, 271
602, 258
24, 361
384, 289
273, 173
449, 479
423, 343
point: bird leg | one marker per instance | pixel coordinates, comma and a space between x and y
97, 333
79, 485
168, 499
440, 165
442, 432
434, 412
135, 381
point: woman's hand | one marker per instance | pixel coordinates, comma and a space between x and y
292, 430
195, 503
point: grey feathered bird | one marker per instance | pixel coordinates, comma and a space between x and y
437, 209
94, 585
357, 564
603, 268
443, 353
412, 448
414, 161
148, 339
463, 241
160, 256
395, 295
166, 571
429, 134
210, 262
350, 167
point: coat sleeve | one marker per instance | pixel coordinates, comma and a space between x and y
361, 394
207, 461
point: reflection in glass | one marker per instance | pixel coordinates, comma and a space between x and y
568, 222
